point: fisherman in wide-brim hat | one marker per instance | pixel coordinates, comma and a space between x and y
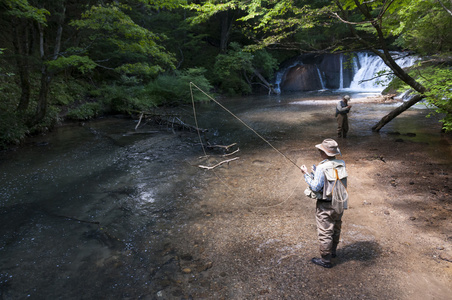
329, 220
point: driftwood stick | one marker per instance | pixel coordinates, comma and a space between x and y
218, 164
221, 146
179, 122
139, 121
232, 153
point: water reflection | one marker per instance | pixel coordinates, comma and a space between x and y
92, 211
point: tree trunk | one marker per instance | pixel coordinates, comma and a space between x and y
388, 60
394, 113
21, 44
41, 109
46, 75
264, 81
444, 7
225, 30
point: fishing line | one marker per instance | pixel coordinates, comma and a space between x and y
247, 126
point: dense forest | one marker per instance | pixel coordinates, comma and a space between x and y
77, 60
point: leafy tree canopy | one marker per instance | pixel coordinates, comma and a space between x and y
111, 25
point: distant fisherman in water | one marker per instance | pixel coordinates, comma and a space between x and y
342, 109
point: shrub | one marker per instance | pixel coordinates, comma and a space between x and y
85, 111
175, 88
12, 128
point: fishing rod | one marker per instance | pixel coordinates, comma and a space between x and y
241, 121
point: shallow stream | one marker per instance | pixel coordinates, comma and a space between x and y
89, 211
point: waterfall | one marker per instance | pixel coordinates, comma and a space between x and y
341, 73
365, 78
321, 79
364, 72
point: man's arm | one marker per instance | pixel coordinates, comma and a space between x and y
341, 108
315, 183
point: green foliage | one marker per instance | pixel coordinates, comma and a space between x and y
21, 9
83, 63
438, 81
140, 69
265, 63
162, 4
65, 91
132, 96
85, 111
170, 89
12, 128
122, 98
231, 70
50, 120
423, 26
138, 49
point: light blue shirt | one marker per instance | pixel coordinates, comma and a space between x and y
316, 180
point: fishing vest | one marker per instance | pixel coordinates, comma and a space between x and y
342, 103
329, 167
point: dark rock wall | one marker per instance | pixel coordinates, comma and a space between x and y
305, 76
301, 78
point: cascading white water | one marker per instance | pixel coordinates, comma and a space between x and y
321, 79
341, 72
367, 76
366, 68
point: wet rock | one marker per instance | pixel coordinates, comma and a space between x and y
186, 270
412, 218
301, 78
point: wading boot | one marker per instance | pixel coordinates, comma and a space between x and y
326, 263
333, 251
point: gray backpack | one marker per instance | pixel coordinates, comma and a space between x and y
335, 187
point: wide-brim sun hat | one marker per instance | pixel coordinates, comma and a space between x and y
330, 147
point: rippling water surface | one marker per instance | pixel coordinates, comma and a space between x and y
89, 212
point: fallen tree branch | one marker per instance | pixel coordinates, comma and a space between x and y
397, 111
179, 122
139, 121
221, 146
218, 164
232, 153
169, 119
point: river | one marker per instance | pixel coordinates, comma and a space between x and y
90, 211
